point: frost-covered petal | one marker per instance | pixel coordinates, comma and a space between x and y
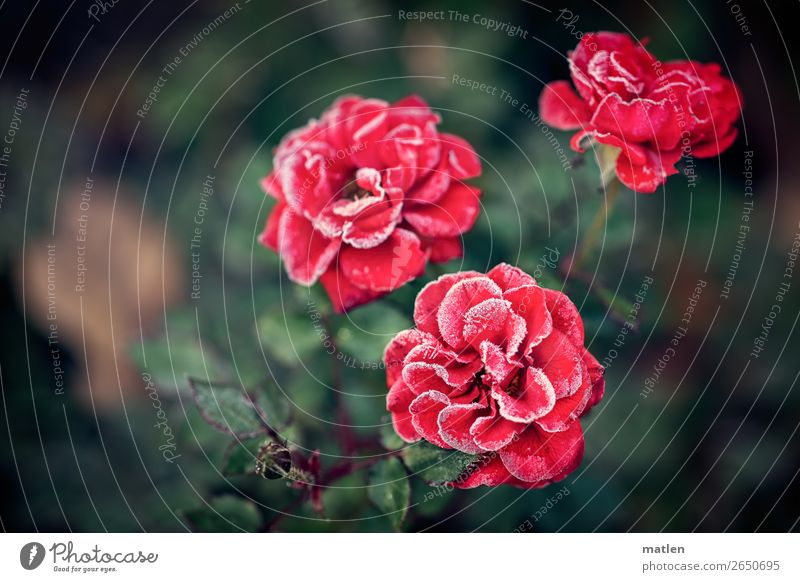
488, 470
431, 367
306, 253
430, 298
532, 398
344, 295
595, 371
459, 158
455, 422
492, 320
398, 400
540, 456
561, 107
638, 121
425, 410
304, 182
493, 432
561, 362
529, 303
569, 408
648, 176
453, 214
565, 315
509, 277
396, 351
499, 367
387, 266
459, 299
443, 248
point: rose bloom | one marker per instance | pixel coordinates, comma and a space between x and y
367, 195
653, 112
495, 367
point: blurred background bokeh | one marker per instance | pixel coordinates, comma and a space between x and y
103, 192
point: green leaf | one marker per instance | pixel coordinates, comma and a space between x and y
240, 456
273, 404
287, 337
167, 358
167, 361
226, 408
226, 513
389, 438
389, 490
436, 465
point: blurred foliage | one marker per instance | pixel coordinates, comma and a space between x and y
706, 449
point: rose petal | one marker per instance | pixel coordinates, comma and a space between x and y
397, 350
398, 400
565, 315
647, 177
509, 277
425, 410
459, 299
498, 366
305, 252
344, 295
595, 370
488, 470
430, 298
304, 182
431, 367
489, 320
454, 214
460, 158
539, 456
638, 121
455, 422
532, 399
561, 362
569, 408
387, 266
269, 236
714, 147
529, 303
443, 249
561, 107
493, 432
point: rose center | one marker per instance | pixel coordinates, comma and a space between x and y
352, 191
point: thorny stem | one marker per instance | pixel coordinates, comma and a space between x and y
333, 474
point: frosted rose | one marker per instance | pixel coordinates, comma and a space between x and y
367, 195
495, 367
653, 112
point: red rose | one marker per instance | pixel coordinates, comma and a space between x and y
367, 195
495, 367
653, 112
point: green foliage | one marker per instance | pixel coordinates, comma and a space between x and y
227, 408
389, 438
226, 513
389, 490
367, 330
287, 337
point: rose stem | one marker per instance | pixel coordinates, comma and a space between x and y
599, 221
345, 429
